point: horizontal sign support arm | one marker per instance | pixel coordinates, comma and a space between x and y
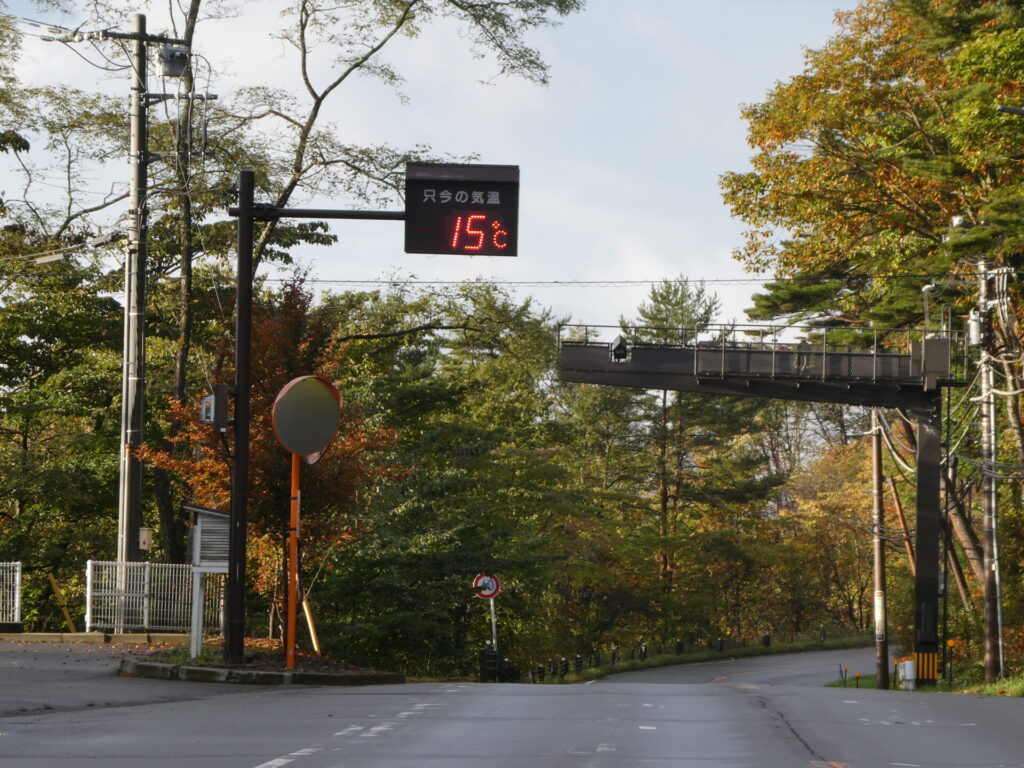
269, 212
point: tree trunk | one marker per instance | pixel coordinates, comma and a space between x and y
170, 523
964, 532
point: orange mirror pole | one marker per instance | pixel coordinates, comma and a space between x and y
293, 564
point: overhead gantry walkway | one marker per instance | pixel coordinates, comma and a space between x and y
896, 369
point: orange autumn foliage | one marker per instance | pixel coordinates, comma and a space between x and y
290, 339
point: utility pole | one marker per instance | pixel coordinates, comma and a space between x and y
993, 614
877, 523
234, 598
133, 372
133, 365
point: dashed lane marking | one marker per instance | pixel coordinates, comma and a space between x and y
280, 762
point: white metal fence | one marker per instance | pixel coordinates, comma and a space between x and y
10, 592
144, 597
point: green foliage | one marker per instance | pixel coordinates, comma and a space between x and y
610, 515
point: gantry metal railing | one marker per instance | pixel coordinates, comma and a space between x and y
785, 352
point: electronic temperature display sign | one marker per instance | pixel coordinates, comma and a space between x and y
472, 210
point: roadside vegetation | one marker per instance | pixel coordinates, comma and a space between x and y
612, 516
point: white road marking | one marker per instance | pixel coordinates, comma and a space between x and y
350, 730
605, 748
850, 701
648, 727
280, 762
377, 729
647, 705
908, 765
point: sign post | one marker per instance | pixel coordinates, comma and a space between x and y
306, 415
488, 587
471, 210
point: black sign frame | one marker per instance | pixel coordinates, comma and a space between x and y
468, 210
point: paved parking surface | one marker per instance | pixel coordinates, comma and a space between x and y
39, 677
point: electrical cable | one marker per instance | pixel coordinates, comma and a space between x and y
969, 420
1004, 393
567, 283
892, 449
89, 61
902, 445
52, 29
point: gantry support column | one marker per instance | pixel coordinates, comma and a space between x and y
929, 527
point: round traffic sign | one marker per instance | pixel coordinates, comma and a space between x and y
486, 586
306, 414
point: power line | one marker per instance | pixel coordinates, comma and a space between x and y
53, 29
602, 283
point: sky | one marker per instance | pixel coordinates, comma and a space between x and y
620, 154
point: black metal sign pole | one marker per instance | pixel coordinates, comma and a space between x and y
466, 209
247, 212
234, 629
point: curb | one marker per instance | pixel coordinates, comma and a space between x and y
93, 638
160, 671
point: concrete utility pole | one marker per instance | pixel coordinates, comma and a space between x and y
993, 612
133, 366
133, 372
877, 523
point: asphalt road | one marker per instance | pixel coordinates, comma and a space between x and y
762, 713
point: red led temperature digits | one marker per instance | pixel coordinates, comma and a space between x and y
500, 237
469, 233
456, 232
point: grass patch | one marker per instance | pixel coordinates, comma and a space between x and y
864, 681
693, 657
1010, 686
